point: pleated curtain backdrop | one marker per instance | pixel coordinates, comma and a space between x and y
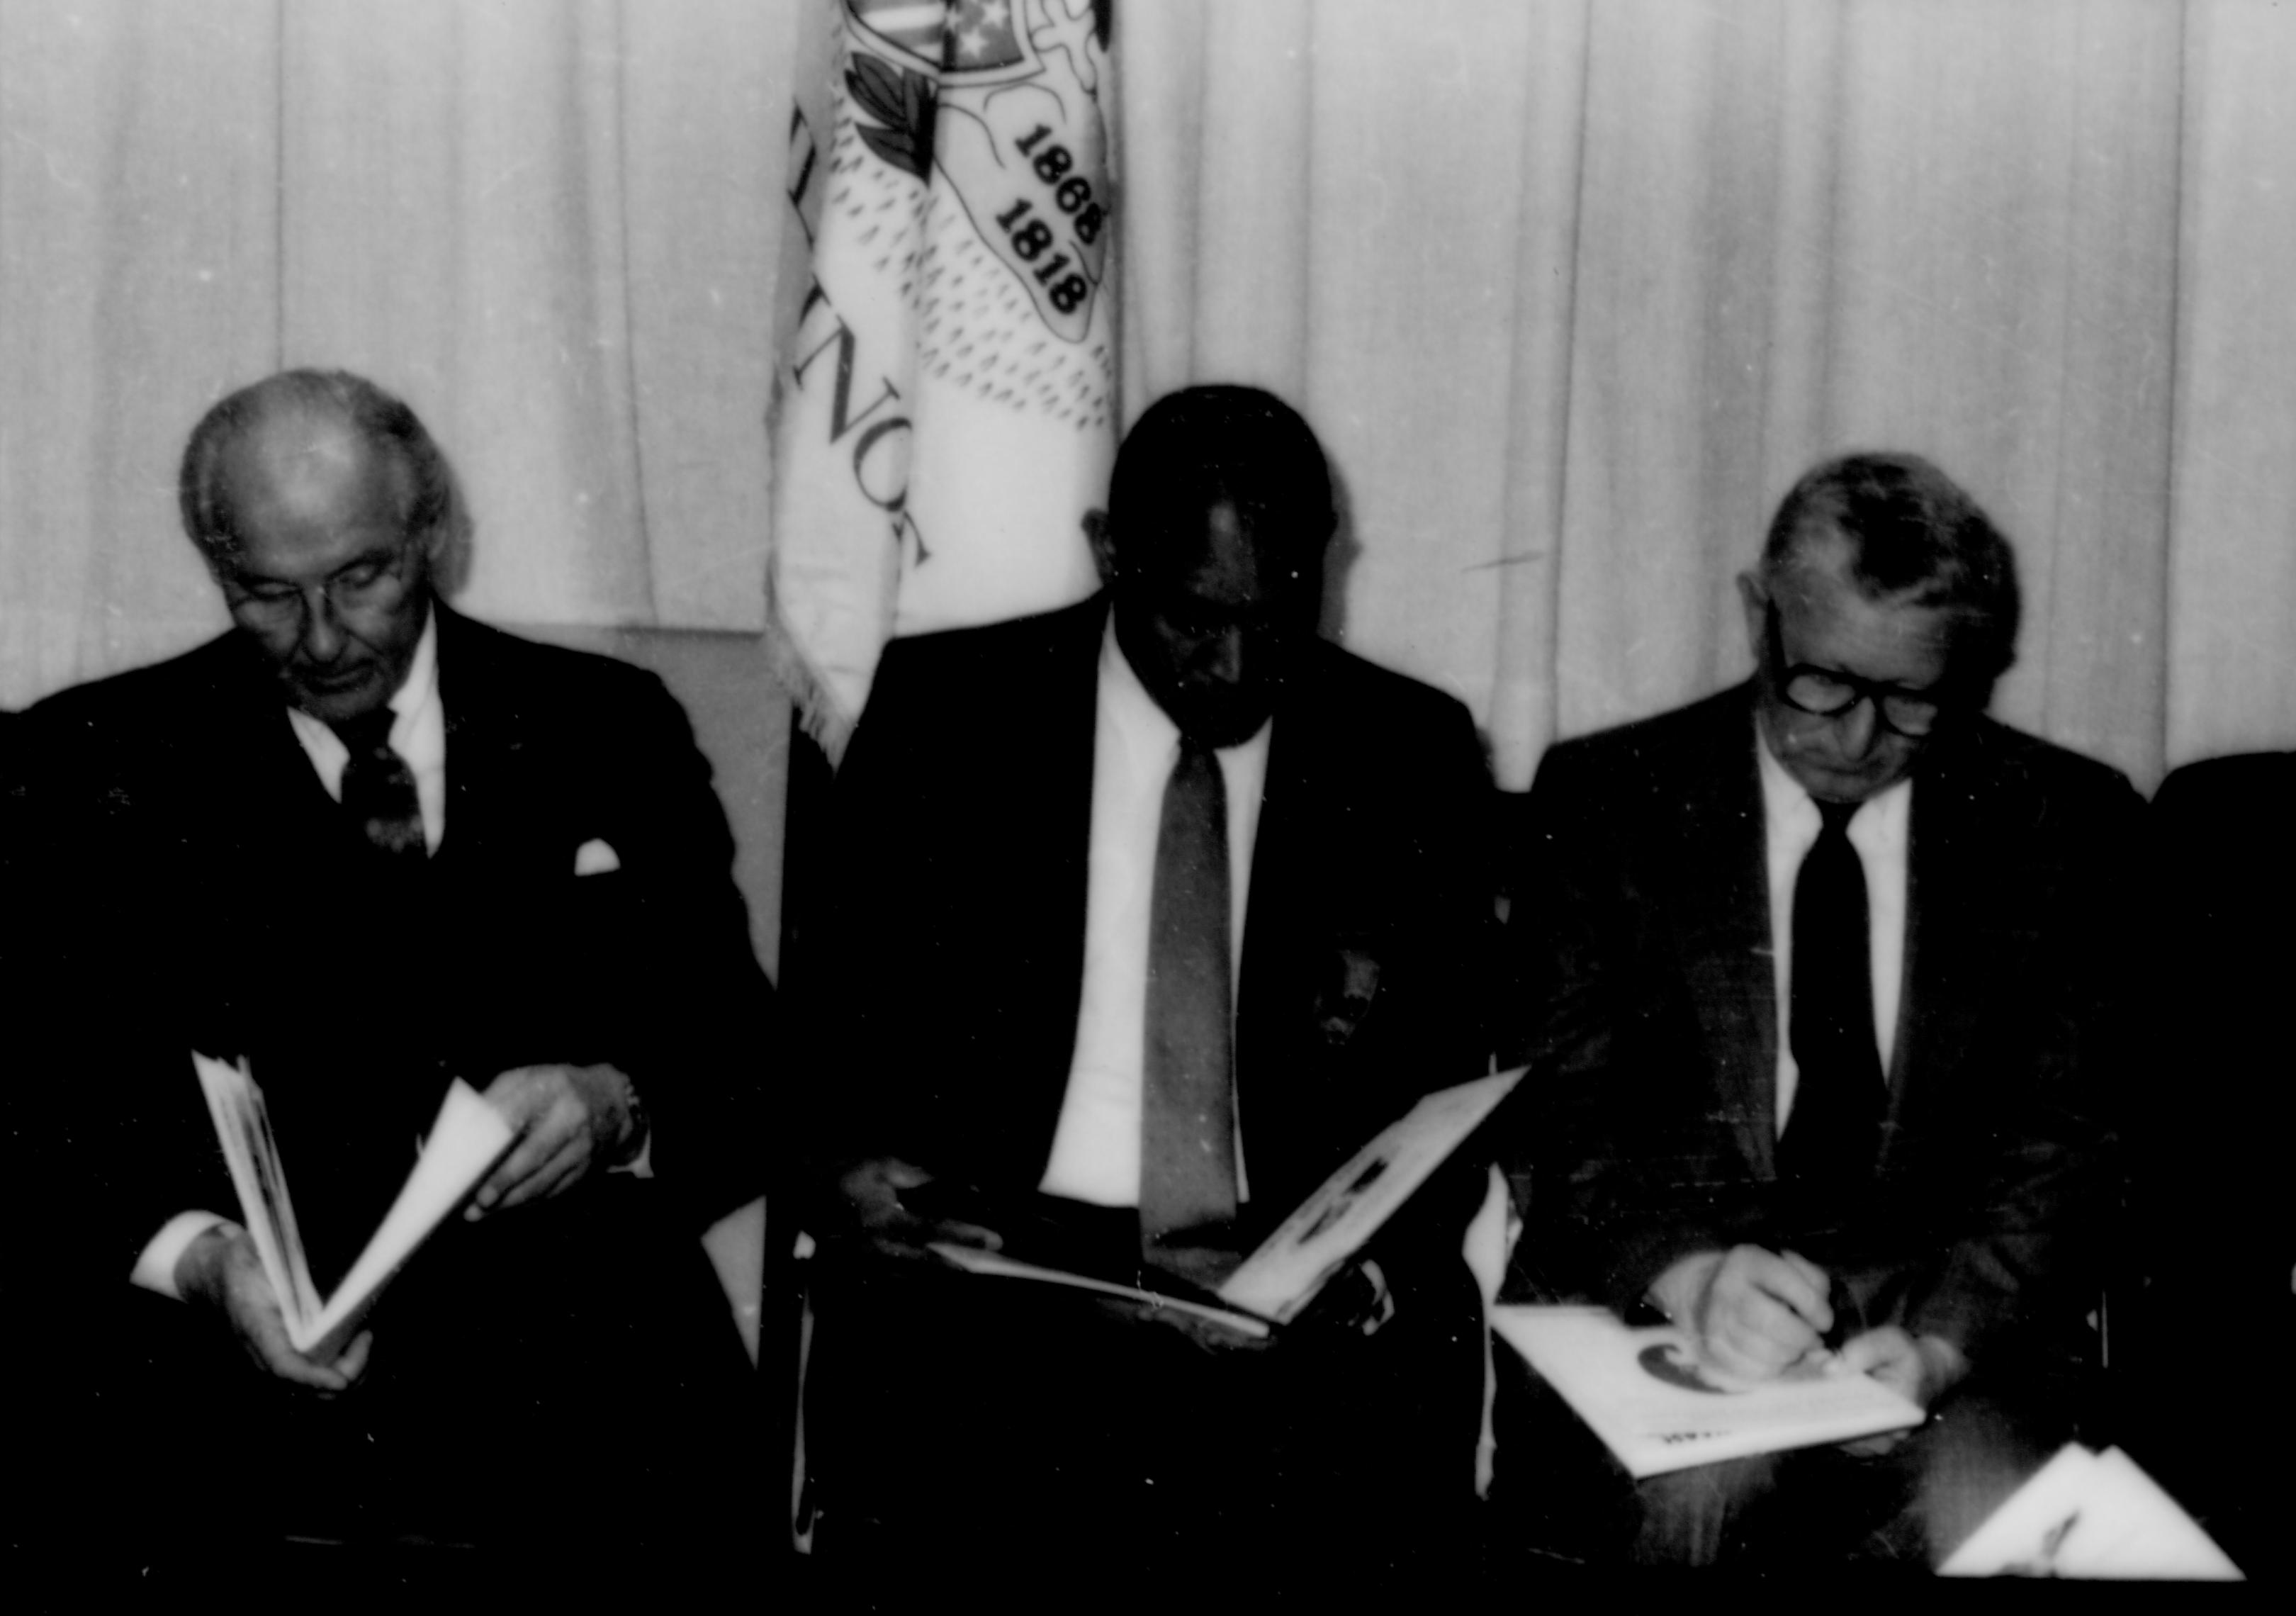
554, 228
1575, 290
1572, 289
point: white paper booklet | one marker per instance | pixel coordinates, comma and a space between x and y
2091, 1514
1292, 1265
973, 1260
1284, 1275
464, 1144
1645, 1394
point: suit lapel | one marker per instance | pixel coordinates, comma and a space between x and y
1722, 926
1058, 816
1301, 910
266, 785
483, 744
1272, 914
1952, 887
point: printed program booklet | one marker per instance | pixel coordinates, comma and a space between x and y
464, 1144
1280, 1279
1657, 1409
2091, 1514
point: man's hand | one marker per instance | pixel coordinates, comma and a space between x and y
569, 1122
1918, 1369
871, 1193
222, 1270
1753, 1313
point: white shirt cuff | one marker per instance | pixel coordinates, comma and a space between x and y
155, 1269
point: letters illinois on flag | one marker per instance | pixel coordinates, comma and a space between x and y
944, 414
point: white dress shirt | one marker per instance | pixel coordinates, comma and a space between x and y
1096, 1155
1878, 831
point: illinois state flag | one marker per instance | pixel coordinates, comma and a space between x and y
945, 413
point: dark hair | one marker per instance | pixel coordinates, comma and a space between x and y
432, 500
1194, 448
1913, 532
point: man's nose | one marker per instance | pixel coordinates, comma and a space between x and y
323, 635
1857, 728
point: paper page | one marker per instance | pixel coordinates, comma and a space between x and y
1644, 1392
469, 1137
244, 1129
973, 1260
2090, 1516
2152, 1536
1331, 1226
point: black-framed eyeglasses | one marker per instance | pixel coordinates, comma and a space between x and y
273, 603
1827, 693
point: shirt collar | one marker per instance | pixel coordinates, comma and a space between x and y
1788, 808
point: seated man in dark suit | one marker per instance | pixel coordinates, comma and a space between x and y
1164, 907
2208, 1289
372, 845
1823, 972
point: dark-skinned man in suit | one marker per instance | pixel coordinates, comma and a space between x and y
995, 1011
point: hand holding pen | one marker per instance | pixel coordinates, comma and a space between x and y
1756, 1313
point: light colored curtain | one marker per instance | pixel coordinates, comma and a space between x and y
554, 228
1574, 291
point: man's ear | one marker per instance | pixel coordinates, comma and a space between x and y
1755, 597
445, 551
1098, 535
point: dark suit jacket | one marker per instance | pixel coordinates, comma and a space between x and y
2210, 1265
207, 893
950, 982
955, 967
2209, 1191
1641, 936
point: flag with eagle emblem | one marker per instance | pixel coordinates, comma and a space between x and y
946, 413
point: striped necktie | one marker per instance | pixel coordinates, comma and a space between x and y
379, 789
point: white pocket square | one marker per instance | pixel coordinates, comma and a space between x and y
595, 857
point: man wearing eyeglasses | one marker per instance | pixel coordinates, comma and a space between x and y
1823, 972
373, 846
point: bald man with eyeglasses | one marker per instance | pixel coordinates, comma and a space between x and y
1823, 977
373, 846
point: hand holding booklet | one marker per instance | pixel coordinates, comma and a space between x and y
1292, 1265
1658, 1408
462, 1146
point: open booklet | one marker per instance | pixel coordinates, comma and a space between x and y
1280, 1279
464, 1144
2091, 1514
1657, 1409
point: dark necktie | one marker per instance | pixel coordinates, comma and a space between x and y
378, 788
1833, 1132
1187, 1114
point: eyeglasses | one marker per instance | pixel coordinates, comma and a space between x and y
1826, 693
274, 604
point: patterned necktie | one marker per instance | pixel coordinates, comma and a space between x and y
378, 788
1833, 1132
1187, 1114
